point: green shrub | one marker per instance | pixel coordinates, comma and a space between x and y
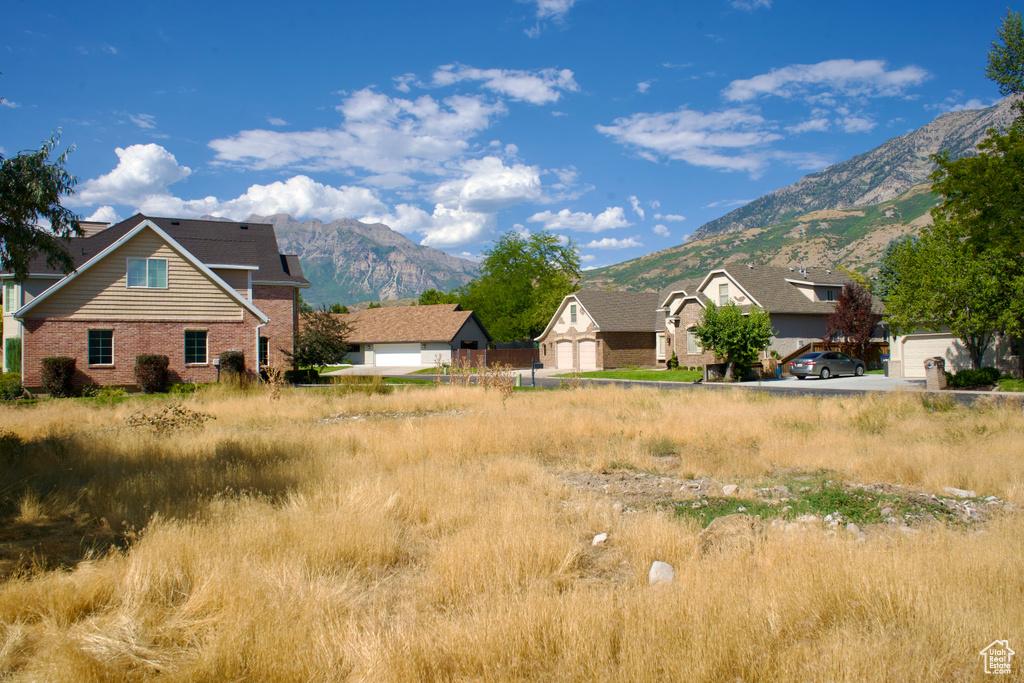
151, 373
12, 355
99, 391
673, 362
10, 387
183, 388
232, 364
57, 374
973, 378
306, 376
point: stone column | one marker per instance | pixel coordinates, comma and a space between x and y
935, 373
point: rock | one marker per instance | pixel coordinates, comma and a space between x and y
909, 531
862, 537
661, 572
1008, 507
729, 489
617, 507
736, 531
886, 512
807, 519
599, 539
960, 493
741, 509
853, 528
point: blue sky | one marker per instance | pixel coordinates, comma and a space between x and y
621, 125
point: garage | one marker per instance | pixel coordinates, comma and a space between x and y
564, 355
588, 355
397, 355
916, 349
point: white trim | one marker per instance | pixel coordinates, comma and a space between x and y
250, 285
43, 276
814, 284
14, 286
185, 253
280, 283
723, 271
184, 346
87, 350
672, 294
558, 312
228, 266
167, 278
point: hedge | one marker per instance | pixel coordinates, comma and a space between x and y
232, 363
973, 378
57, 374
151, 373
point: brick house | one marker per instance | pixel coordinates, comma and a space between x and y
187, 289
595, 329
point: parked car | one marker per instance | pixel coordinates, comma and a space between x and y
825, 364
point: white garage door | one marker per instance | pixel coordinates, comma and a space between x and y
588, 355
564, 357
917, 349
398, 355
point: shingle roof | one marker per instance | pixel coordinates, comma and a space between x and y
439, 323
768, 285
616, 311
210, 241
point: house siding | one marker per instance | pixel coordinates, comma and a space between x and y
565, 330
43, 338
101, 292
237, 279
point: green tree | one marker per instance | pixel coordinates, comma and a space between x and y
522, 281
1006, 58
432, 297
944, 283
888, 274
734, 337
31, 186
338, 308
373, 304
321, 340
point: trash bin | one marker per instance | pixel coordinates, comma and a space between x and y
885, 367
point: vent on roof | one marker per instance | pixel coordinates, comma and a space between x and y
244, 227
750, 266
828, 271
175, 222
791, 269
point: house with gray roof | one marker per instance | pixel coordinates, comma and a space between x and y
598, 329
187, 289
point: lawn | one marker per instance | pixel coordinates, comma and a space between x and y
1011, 385
445, 533
646, 375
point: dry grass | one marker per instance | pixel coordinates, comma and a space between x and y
268, 545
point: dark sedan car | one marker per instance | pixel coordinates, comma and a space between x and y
825, 364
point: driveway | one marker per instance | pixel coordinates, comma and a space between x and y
376, 370
863, 383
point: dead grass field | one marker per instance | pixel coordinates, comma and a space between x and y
427, 536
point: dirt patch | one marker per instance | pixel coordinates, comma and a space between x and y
830, 214
50, 544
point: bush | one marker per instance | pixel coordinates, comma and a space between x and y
57, 374
232, 363
12, 355
183, 388
10, 387
151, 373
307, 376
973, 378
673, 362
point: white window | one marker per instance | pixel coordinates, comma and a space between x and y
12, 297
147, 273
661, 345
572, 313
723, 294
692, 347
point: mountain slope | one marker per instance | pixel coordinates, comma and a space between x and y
348, 261
877, 176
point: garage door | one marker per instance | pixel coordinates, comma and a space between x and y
398, 355
917, 349
564, 357
588, 355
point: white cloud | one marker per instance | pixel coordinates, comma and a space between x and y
144, 121
670, 217
490, 186
142, 171
856, 124
105, 214
610, 218
613, 243
402, 82
643, 86
727, 203
695, 137
811, 125
301, 196
445, 227
587, 258
749, 5
660, 229
637, 209
954, 103
379, 134
109, 49
849, 77
542, 86
9, 103
275, 121
552, 9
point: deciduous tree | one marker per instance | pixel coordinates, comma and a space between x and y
736, 338
321, 341
853, 320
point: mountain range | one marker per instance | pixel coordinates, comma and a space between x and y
349, 262
843, 216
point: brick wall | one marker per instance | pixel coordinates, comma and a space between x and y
280, 305
689, 316
549, 352
48, 337
621, 349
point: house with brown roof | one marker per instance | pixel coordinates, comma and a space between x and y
407, 336
187, 289
599, 329
595, 329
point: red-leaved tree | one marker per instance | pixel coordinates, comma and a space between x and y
854, 320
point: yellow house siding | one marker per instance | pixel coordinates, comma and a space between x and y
238, 279
101, 292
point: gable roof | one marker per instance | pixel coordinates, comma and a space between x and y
773, 288
145, 224
222, 243
392, 324
617, 311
